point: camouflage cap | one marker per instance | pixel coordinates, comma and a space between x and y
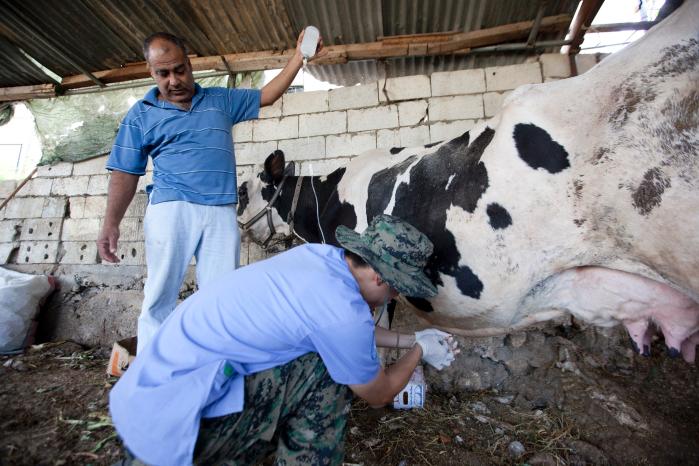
396, 250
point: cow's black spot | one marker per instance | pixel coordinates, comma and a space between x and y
242, 197
381, 187
538, 149
499, 216
649, 193
420, 303
468, 282
332, 212
424, 202
395, 150
432, 144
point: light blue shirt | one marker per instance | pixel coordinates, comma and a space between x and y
254, 318
192, 150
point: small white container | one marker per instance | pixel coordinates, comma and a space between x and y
413, 395
309, 44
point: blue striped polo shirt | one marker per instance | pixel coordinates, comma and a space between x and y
192, 150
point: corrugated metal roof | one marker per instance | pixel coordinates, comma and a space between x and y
71, 37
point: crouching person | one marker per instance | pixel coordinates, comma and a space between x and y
260, 360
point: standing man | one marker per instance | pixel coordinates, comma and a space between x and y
186, 130
261, 359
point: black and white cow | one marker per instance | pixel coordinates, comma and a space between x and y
580, 197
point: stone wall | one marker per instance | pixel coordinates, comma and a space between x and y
50, 226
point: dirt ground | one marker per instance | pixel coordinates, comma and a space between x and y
53, 411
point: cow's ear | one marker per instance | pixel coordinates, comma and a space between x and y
274, 167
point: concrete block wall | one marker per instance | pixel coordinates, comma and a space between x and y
52, 223
55, 218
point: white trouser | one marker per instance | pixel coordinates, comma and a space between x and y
174, 232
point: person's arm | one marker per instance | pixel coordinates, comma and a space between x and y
278, 86
122, 187
388, 339
389, 382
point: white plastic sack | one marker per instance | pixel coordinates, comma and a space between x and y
20, 295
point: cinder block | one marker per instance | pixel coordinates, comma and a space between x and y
492, 102
305, 102
350, 144
36, 187
80, 229
131, 229
10, 230
275, 129
57, 170
144, 181
555, 65
445, 131
303, 148
318, 124
6, 250
343, 98
253, 152
246, 172
372, 118
37, 252
71, 186
78, 252
458, 107
76, 206
54, 207
404, 88
387, 139
322, 167
39, 229
412, 113
242, 132
6, 188
504, 78
94, 166
95, 207
98, 184
24, 207
131, 252
585, 61
271, 111
138, 206
458, 82
415, 136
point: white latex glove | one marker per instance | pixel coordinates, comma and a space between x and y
438, 348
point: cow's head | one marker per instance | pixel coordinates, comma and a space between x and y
257, 196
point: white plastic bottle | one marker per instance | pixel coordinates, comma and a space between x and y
309, 42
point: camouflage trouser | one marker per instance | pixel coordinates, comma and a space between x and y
295, 409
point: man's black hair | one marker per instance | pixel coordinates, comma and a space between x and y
173, 39
357, 260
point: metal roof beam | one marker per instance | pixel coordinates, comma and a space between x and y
19, 21
582, 20
537, 22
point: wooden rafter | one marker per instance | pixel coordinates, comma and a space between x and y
390, 47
